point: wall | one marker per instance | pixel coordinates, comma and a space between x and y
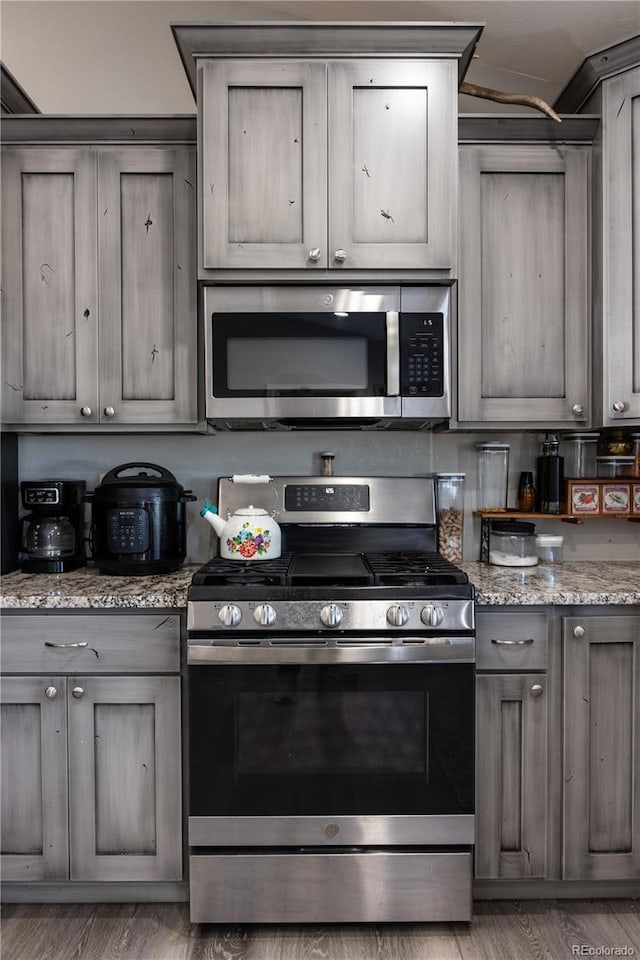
197, 462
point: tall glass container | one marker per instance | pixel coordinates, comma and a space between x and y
493, 475
579, 451
450, 507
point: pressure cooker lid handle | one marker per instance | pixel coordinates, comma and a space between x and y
117, 471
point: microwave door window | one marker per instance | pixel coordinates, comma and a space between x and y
271, 355
286, 365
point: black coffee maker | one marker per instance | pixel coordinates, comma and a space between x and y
53, 532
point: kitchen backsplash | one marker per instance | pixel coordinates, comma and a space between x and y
197, 461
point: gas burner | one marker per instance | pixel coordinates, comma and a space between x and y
219, 572
414, 569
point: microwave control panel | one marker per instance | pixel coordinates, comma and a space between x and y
422, 354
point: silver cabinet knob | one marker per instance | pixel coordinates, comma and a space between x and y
230, 615
340, 255
578, 409
78, 693
85, 411
619, 406
536, 690
578, 632
397, 615
331, 615
264, 614
315, 253
432, 616
51, 693
109, 412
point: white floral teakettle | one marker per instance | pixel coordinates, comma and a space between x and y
251, 533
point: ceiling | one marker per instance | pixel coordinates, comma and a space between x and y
118, 56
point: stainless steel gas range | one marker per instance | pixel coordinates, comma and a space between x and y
331, 713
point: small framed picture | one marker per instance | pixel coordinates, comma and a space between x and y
583, 498
616, 498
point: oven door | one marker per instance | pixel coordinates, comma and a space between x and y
325, 750
291, 352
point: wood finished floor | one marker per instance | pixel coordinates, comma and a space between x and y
501, 930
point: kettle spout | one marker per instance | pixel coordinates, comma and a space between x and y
209, 512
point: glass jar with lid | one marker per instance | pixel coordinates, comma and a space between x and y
450, 509
493, 475
549, 548
616, 466
512, 544
579, 451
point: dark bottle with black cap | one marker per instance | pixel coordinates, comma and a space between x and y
550, 477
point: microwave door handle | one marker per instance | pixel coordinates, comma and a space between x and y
393, 353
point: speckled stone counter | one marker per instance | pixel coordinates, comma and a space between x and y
577, 583
585, 582
86, 588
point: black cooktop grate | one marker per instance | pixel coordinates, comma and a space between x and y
324, 569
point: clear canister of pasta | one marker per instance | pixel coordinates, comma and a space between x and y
450, 508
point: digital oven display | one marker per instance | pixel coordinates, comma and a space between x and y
327, 498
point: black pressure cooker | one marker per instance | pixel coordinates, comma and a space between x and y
138, 522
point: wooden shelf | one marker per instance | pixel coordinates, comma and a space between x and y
487, 515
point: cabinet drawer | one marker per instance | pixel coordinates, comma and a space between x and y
91, 644
511, 641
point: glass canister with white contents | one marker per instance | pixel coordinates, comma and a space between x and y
512, 544
450, 508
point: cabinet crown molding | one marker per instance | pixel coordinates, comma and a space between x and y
454, 41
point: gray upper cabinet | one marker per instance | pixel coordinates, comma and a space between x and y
49, 285
327, 166
620, 348
99, 313
524, 292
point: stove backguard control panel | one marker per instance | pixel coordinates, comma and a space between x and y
327, 497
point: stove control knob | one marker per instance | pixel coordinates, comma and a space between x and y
230, 615
397, 615
265, 615
331, 615
432, 616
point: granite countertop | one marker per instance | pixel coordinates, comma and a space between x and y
86, 588
574, 583
584, 582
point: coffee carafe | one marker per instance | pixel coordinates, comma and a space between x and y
53, 532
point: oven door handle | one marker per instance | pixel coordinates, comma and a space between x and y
410, 650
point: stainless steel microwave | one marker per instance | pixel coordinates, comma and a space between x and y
319, 356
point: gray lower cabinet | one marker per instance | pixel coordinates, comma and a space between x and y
601, 813
98, 282
524, 290
91, 764
512, 746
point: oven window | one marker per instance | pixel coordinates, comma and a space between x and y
283, 354
343, 739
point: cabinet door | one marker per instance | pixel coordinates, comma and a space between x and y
146, 233
49, 270
263, 164
601, 748
33, 787
621, 238
392, 177
125, 781
524, 285
511, 776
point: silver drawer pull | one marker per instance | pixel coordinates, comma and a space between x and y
80, 643
513, 643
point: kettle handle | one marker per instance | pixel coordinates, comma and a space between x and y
115, 473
